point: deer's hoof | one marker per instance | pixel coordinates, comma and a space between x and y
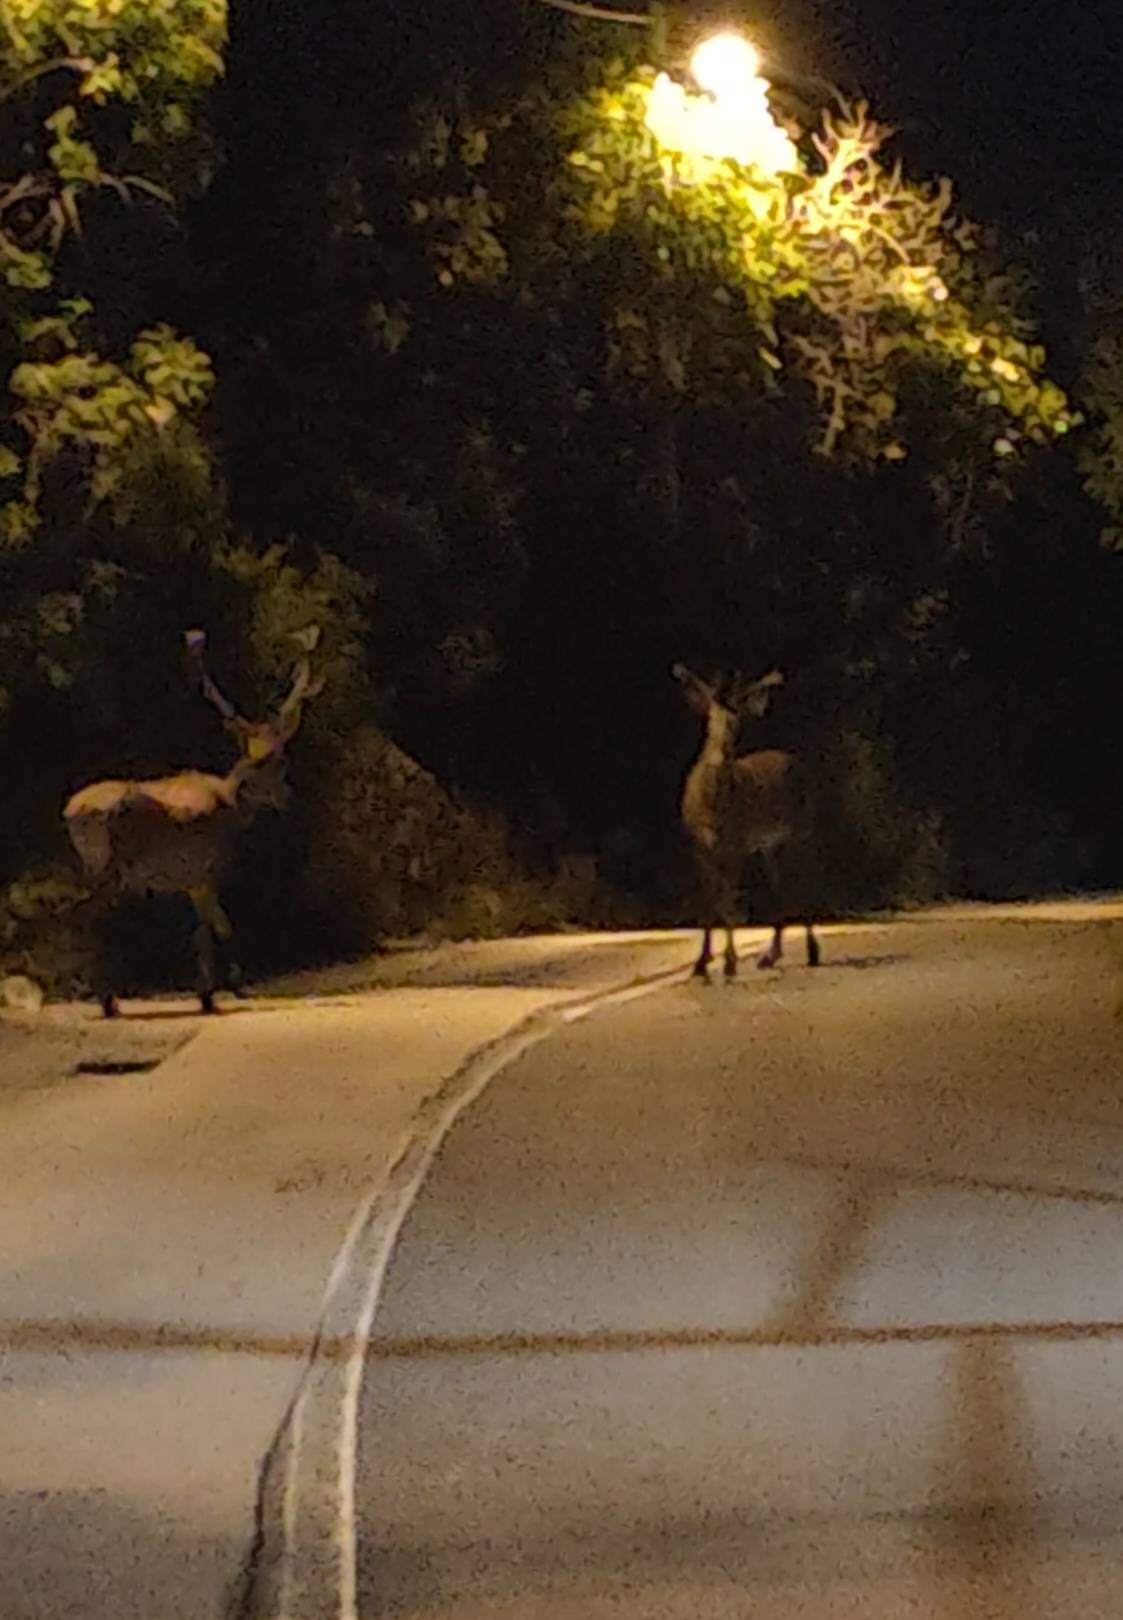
701, 973
110, 1007
730, 968
206, 1004
768, 960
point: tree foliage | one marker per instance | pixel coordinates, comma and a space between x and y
556, 415
845, 269
97, 97
1101, 453
114, 534
643, 333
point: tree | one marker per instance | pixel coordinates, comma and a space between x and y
100, 102
566, 456
843, 268
99, 116
114, 536
717, 294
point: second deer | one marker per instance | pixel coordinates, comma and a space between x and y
735, 807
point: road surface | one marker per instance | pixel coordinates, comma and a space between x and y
798, 1298
174, 1193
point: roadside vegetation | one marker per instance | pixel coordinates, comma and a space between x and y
463, 380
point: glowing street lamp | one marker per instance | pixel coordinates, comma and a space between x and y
724, 63
732, 119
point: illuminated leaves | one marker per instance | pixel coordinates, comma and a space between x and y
466, 240
157, 59
1101, 454
849, 272
879, 262
23, 270
85, 403
133, 49
72, 159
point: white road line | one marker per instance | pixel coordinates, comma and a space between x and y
539, 1028
314, 1520
353, 1384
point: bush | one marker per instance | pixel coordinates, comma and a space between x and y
392, 853
42, 936
876, 848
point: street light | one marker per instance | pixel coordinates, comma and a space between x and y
724, 63
732, 120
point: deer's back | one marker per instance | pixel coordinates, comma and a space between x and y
163, 836
768, 800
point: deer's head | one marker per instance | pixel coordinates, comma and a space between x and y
261, 770
721, 703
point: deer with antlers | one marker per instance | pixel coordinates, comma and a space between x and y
177, 834
737, 806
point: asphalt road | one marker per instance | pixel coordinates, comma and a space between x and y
176, 1195
801, 1297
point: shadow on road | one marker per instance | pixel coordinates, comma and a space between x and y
861, 963
64, 1338
160, 1015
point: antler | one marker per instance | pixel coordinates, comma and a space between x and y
287, 718
303, 687
753, 694
196, 642
689, 678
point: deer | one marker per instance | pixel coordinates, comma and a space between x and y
178, 834
737, 806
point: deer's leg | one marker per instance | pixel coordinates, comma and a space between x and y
224, 932
730, 953
234, 980
812, 946
770, 957
706, 888
106, 993
95, 910
212, 924
204, 957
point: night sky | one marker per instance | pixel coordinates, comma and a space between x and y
1019, 103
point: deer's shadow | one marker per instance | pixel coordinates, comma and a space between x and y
862, 963
183, 1015
793, 967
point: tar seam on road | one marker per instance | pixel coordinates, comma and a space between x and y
292, 1582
